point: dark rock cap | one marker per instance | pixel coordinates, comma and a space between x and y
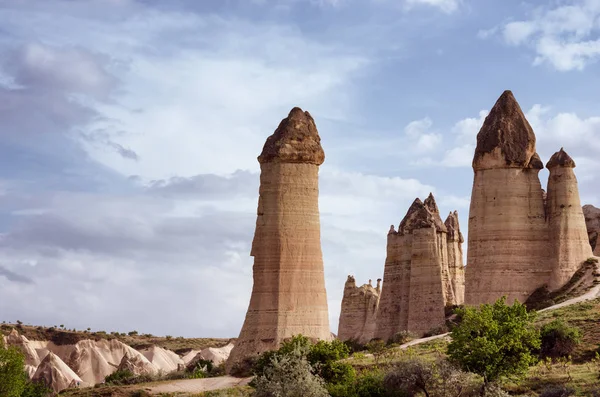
453, 227
506, 128
560, 159
296, 140
422, 215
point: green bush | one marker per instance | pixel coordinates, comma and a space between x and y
559, 339
495, 340
120, 377
289, 375
369, 383
12, 376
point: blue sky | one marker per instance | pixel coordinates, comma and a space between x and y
130, 131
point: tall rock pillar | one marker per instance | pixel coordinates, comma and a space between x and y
592, 222
288, 294
456, 266
508, 250
568, 233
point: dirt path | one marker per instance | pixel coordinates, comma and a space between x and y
198, 385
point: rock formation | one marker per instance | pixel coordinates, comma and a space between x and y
592, 222
417, 282
288, 294
519, 237
55, 374
136, 365
164, 360
567, 230
456, 266
359, 311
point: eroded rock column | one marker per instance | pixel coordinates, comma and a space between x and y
359, 311
508, 250
456, 265
592, 222
288, 295
568, 234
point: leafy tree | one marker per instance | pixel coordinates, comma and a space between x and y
559, 339
495, 340
12, 376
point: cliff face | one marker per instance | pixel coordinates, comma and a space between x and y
417, 280
592, 222
568, 234
288, 294
519, 237
359, 311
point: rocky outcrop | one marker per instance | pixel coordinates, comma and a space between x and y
568, 234
359, 311
164, 360
288, 295
456, 266
519, 237
56, 375
417, 282
592, 222
32, 359
136, 365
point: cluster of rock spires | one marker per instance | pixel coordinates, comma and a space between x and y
423, 271
89, 362
520, 239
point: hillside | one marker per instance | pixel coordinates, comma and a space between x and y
61, 336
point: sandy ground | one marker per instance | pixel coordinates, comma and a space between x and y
224, 382
198, 385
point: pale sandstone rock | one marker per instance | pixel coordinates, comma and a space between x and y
288, 294
57, 375
568, 234
31, 356
164, 360
417, 281
136, 365
217, 355
592, 222
359, 311
508, 240
456, 264
520, 237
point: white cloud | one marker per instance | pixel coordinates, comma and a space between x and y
564, 36
447, 6
465, 132
420, 134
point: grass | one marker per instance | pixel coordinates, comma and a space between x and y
61, 336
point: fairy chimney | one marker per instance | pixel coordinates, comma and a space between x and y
568, 234
508, 240
288, 295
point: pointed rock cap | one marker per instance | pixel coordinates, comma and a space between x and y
506, 140
350, 282
296, 140
560, 159
422, 215
453, 227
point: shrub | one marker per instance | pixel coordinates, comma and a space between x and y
289, 375
441, 329
557, 391
495, 340
12, 376
324, 357
119, 377
402, 337
559, 339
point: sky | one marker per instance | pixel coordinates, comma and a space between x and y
129, 131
